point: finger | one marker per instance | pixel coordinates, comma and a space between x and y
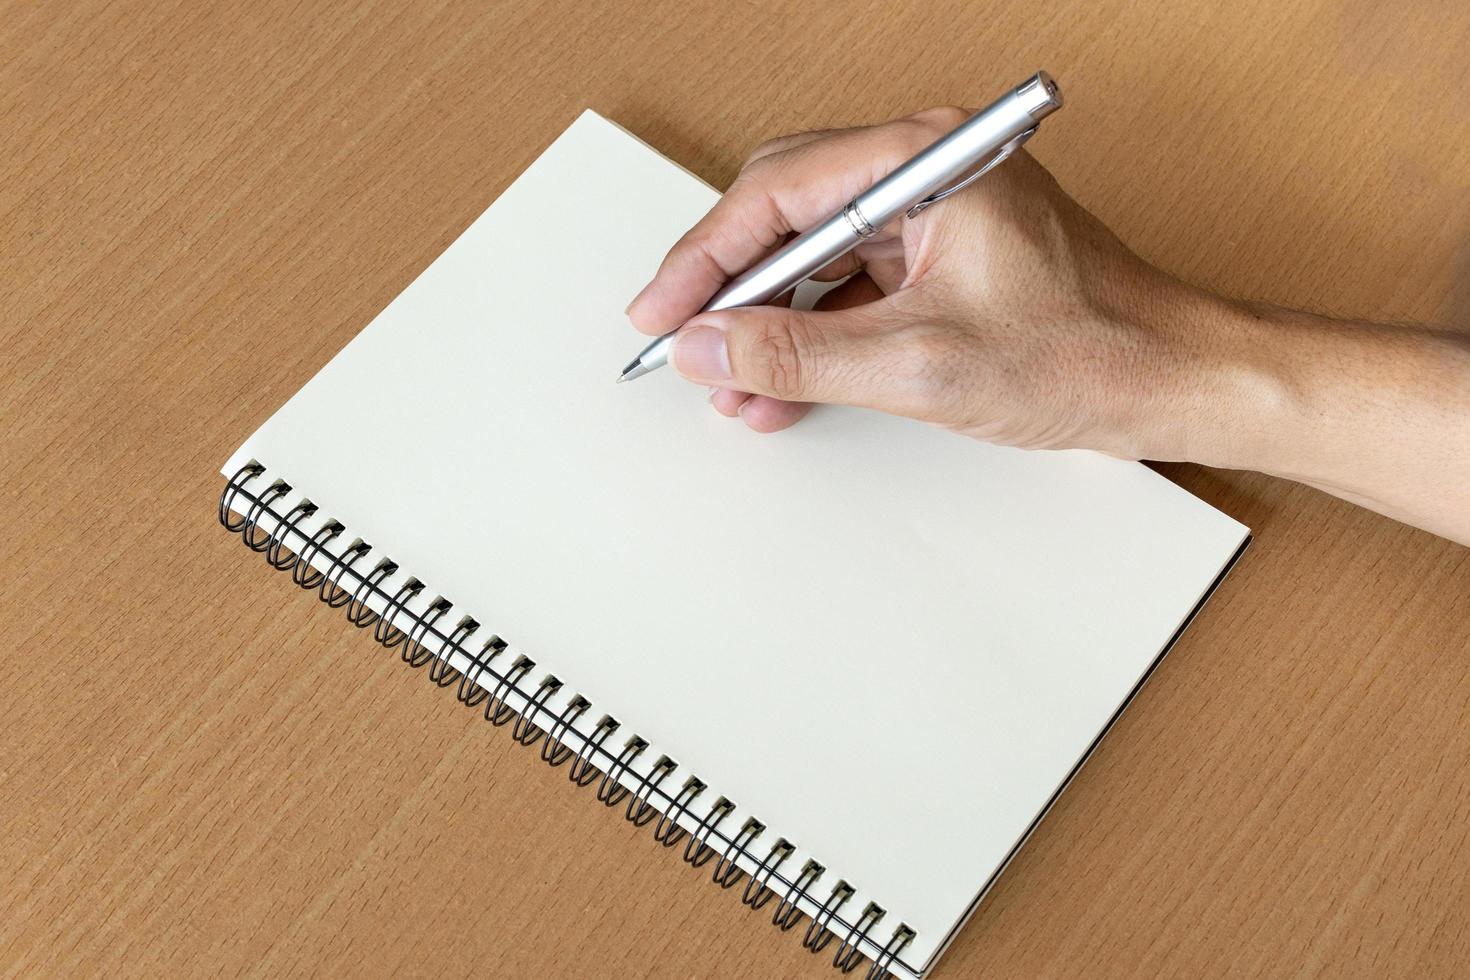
769, 418
789, 190
879, 256
857, 291
783, 143
727, 401
793, 355
839, 268
765, 414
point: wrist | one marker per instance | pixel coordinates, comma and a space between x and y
1377, 414
1225, 383
1246, 388
1302, 396
1209, 383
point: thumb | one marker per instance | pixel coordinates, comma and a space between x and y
793, 355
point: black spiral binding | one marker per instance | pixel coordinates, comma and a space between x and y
287, 548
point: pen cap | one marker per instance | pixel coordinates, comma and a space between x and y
1040, 96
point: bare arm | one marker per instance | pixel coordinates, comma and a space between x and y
1376, 414
1012, 315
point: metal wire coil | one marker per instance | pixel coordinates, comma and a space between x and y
289, 548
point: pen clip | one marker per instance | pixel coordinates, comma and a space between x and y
995, 160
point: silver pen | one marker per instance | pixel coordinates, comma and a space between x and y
974, 147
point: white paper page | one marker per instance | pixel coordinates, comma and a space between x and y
889, 642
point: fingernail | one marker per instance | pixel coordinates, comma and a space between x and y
700, 354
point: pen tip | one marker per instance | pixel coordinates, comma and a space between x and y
636, 369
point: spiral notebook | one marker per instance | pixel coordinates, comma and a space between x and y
844, 669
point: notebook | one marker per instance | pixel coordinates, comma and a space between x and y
843, 670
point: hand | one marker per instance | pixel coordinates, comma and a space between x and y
1010, 314
1007, 312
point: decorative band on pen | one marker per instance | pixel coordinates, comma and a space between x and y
855, 219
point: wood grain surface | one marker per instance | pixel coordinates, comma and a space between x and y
203, 772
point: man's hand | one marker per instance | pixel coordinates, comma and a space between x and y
1007, 312
1011, 314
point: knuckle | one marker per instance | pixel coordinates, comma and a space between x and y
941, 118
909, 135
756, 166
780, 354
766, 149
751, 185
697, 253
904, 138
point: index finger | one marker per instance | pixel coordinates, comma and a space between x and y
776, 194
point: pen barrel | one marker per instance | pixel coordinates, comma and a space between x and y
789, 267
939, 167
935, 168
969, 145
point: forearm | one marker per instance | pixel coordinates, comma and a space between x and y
1013, 315
1374, 413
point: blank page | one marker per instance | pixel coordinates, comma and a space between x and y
889, 643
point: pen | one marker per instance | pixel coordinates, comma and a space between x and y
974, 147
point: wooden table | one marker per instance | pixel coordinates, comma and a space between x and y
202, 772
